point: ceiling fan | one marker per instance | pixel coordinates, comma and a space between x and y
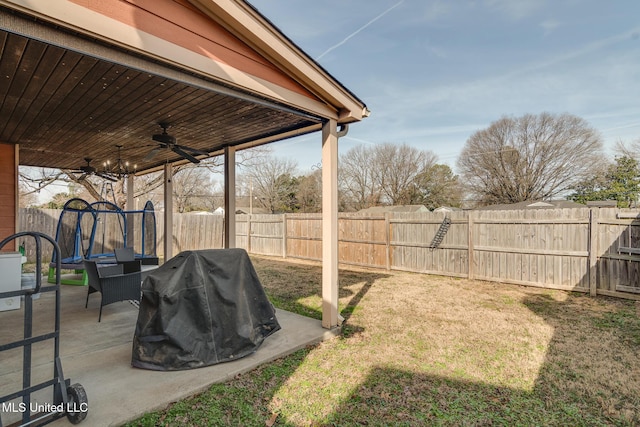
87, 170
168, 142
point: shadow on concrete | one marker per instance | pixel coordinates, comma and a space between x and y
98, 356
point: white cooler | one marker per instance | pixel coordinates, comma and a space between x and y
10, 279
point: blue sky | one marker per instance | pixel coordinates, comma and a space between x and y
434, 72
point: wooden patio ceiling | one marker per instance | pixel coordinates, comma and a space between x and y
61, 105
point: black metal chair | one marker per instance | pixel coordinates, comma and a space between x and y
112, 283
127, 259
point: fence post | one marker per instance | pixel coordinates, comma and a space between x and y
470, 254
284, 235
387, 238
249, 233
593, 252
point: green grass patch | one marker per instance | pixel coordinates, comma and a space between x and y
625, 323
422, 350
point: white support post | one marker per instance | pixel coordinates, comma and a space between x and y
330, 316
229, 197
129, 184
168, 212
130, 217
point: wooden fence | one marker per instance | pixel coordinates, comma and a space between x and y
587, 250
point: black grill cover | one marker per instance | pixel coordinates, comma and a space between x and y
201, 308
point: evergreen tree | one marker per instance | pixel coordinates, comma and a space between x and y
620, 182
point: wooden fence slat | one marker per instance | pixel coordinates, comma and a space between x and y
594, 250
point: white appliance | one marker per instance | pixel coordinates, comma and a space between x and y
10, 279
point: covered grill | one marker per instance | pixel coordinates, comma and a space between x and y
201, 308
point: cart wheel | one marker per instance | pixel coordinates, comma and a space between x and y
77, 403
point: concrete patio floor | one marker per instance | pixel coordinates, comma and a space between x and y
98, 356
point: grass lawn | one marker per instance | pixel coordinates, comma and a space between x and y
428, 350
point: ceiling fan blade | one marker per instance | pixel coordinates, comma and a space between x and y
192, 150
184, 154
105, 176
152, 153
164, 138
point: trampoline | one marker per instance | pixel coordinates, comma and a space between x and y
75, 234
111, 230
94, 231
144, 243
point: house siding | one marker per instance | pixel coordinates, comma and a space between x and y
178, 22
8, 192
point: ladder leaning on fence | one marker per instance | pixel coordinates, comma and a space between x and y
442, 231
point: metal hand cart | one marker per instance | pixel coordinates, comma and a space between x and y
69, 400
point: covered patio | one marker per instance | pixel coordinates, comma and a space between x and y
82, 78
98, 356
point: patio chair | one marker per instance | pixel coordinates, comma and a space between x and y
127, 259
112, 283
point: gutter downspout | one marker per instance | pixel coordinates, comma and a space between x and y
344, 129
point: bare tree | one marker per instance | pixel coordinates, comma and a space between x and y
92, 188
357, 178
397, 167
631, 150
271, 182
310, 192
32, 180
190, 186
26, 198
528, 158
383, 174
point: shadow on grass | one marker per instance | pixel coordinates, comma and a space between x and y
298, 287
240, 402
576, 385
592, 360
565, 392
589, 375
398, 397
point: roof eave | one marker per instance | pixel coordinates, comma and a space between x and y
249, 25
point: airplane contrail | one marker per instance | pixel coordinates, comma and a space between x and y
359, 30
